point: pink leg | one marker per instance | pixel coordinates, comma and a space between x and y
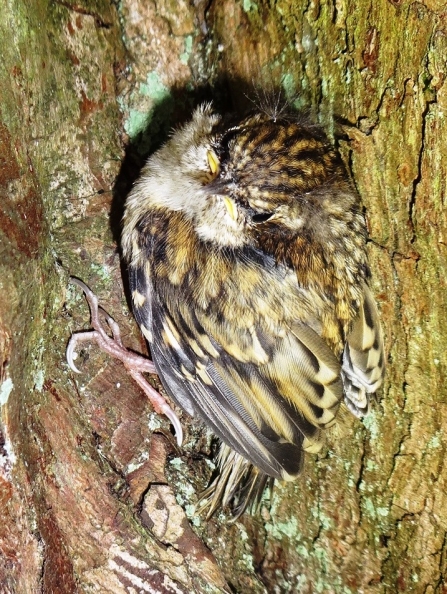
135, 364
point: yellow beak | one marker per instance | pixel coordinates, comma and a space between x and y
231, 207
213, 162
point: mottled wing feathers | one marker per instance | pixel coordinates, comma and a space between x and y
363, 357
142, 295
207, 395
268, 404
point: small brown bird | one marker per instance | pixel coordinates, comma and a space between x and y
245, 244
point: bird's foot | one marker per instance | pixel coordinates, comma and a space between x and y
134, 363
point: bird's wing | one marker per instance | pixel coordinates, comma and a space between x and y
363, 358
266, 394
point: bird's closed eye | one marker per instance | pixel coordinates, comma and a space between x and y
262, 217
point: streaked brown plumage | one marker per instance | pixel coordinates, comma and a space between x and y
246, 251
245, 245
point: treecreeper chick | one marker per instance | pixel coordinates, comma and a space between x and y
245, 244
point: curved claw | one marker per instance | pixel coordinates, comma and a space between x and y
84, 287
69, 354
167, 410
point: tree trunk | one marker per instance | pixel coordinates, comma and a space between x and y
95, 496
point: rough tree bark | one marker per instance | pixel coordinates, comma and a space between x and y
92, 498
